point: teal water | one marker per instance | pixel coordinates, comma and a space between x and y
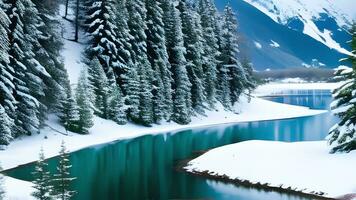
144, 167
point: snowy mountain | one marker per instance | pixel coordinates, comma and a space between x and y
309, 13
292, 33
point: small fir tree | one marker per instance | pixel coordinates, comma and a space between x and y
62, 179
42, 179
116, 106
100, 86
84, 96
69, 110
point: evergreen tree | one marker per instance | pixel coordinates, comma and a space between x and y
182, 104
207, 12
101, 26
84, 96
62, 179
137, 25
124, 39
132, 94
116, 106
42, 179
248, 68
26, 81
229, 57
36, 73
158, 57
100, 86
145, 94
69, 110
342, 137
7, 98
5, 128
193, 45
48, 52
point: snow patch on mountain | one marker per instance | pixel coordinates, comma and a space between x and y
258, 45
274, 44
307, 11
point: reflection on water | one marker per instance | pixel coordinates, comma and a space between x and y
143, 168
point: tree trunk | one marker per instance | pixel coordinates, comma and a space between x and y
66, 10
76, 22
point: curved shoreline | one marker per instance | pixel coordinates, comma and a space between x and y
245, 183
131, 133
175, 131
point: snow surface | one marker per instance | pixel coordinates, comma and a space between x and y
72, 51
17, 189
303, 166
282, 11
280, 88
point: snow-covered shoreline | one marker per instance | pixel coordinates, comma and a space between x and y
26, 148
305, 167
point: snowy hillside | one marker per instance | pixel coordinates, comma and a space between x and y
309, 13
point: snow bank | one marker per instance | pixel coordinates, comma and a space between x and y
17, 189
26, 148
302, 166
273, 89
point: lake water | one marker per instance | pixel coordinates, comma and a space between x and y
144, 167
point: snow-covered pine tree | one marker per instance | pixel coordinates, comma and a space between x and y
229, 58
124, 39
69, 110
84, 96
5, 128
48, 53
158, 57
248, 68
7, 99
207, 12
145, 94
26, 80
132, 87
193, 45
137, 24
182, 105
101, 27
42, 179
100, 87
342, 136
36, 72
62, 179
116, 105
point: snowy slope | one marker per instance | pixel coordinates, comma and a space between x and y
309, 12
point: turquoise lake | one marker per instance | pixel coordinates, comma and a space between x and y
144, 167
